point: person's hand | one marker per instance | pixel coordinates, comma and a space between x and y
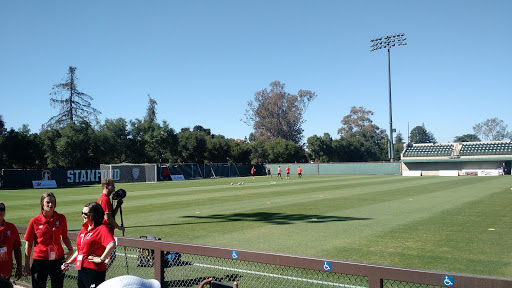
121, 228
65, 266
26, 270
95, 259
18, 273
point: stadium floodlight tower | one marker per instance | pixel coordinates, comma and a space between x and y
382, 43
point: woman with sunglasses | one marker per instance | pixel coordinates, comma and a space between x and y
93, 246
44, 233
9, 243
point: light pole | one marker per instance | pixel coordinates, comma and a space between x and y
388, 42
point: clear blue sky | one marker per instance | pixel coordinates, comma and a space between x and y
203, 60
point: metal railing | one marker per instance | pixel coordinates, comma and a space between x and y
189, 264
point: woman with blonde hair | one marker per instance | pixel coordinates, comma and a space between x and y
44, 233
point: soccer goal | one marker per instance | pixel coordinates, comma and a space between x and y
188, 170
217, 170
130, 173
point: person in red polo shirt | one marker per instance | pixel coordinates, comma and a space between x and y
109, 187
9, 243
93, 246
45, 232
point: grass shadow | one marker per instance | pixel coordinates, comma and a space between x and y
276, 218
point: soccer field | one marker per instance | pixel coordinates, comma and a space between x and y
453, 224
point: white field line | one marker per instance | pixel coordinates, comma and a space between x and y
120, 253
280, 276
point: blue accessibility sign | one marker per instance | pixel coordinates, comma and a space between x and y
327, 266
234, 254
448, 281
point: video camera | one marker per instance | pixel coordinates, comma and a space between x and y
119, 194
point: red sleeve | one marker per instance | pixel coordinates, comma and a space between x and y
105, 236
29, 235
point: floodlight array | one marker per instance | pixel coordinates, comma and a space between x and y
388, 41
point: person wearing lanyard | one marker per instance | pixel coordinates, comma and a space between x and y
44, 233
9, 243
93, 246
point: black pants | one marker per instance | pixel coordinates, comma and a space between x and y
90, 277
41, 269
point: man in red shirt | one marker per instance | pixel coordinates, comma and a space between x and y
109, 187
299, 172
287, 172
253, 171
279, 172
9, 243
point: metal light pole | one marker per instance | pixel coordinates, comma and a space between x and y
388, 42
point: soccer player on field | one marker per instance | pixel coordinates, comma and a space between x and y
287, 172
299, 172
252, 172
269, 174
279, 172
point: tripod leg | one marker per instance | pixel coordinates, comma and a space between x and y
125, 255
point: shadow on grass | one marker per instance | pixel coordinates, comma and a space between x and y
265, 217
276, 218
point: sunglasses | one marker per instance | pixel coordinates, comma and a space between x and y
86, 213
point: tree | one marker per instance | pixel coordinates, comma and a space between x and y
192, 146
319, 149
21, 149
467, 138
150, 111
74, 105
218, 149
283, 151
240, 152
2, 125
277, 114
111, 141
492, 129
399, 146
419, 134
360, 139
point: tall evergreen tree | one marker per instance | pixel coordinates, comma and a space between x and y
74, 106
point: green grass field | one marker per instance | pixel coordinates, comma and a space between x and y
434, 223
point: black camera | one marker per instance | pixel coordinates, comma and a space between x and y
119, 194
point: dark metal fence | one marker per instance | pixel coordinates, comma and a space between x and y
186, 265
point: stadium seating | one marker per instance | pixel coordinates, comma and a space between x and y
496, 148
436, 150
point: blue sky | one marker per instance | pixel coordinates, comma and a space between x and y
203, 60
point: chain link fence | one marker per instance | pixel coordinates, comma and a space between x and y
189, 264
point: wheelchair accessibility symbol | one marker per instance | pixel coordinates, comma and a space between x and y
327, 266
234, 255
448, 280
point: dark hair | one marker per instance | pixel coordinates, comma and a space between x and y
96, 211
46, 195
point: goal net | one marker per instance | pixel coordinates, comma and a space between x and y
130, 173
188, 170
218, 170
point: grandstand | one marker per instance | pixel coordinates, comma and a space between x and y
464, 158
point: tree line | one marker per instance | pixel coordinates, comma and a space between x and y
74, 138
